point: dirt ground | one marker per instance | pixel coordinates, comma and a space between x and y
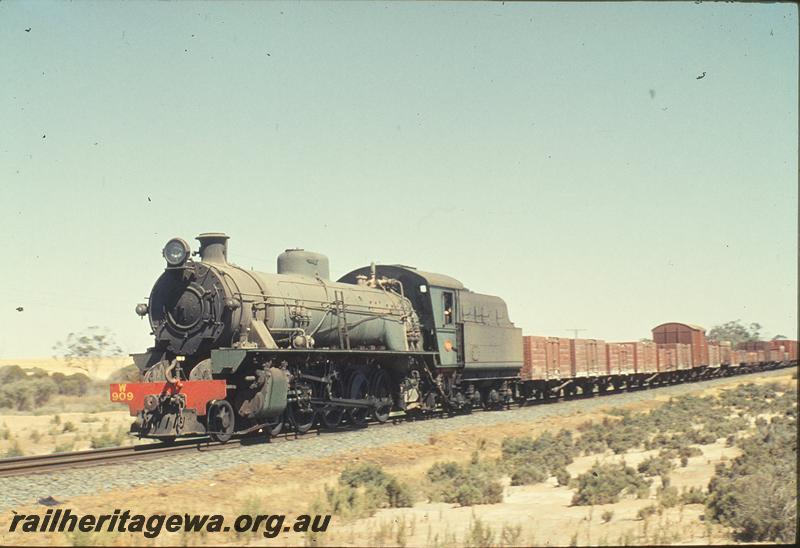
42, 434
541, 512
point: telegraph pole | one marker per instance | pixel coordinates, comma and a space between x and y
575, 332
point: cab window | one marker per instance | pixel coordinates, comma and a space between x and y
447, 304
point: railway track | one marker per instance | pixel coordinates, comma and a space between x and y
36, 464
19, 466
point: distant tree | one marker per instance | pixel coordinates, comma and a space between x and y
85, 349
736, 332
778, 337
645, 340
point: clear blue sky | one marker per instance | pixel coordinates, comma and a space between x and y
563, 156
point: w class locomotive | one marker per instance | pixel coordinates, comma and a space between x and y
238, 351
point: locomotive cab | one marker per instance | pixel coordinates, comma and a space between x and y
468, 331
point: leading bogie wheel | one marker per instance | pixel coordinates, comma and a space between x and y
221, 421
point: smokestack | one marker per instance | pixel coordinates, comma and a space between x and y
213, 247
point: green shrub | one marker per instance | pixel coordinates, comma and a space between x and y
476, 483
28, 393
387, 489
668, 497
398, 494
604, 483
528, 474
363, 474
623, 439
444, 471
702, 437
690, 451
563, 477
345, 501
607, 515
11, 373
756, 494
694, 495
69, 427
361, 490
655, 466
76, 384
548, 451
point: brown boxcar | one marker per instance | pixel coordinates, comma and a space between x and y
789, 347
694, 335
753, 346
725, 350
776, 354
588, 357
533, 358
674, 356
621, 358
714, 355
780, 350
645, 356
545, 358
748, 356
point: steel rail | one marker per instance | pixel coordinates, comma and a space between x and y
17, 466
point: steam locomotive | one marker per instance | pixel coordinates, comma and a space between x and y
238, 351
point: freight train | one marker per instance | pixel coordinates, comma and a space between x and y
239, 352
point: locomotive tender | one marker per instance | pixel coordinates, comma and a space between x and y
238, 351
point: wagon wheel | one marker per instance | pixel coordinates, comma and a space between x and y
359, 390
330, 415
381, 390
274, 425
221, 421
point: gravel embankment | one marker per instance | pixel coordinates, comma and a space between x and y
63, 485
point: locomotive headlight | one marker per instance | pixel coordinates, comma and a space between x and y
176, 251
